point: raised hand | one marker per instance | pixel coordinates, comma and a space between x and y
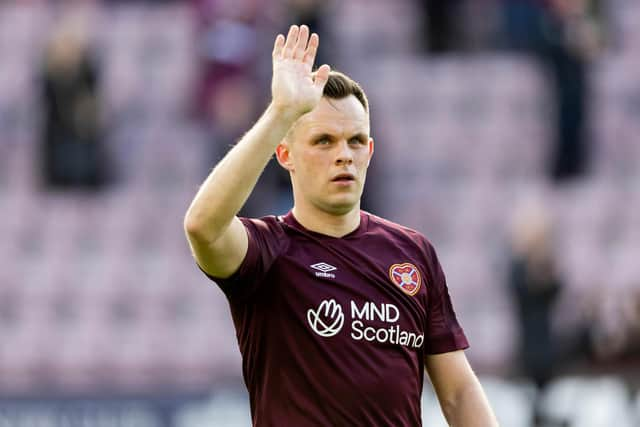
294, 88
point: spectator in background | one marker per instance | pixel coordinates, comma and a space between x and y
564, 35
535, 286
226, 93
72, 152
612, 328
440, 25
313, 14
632, 317
230, 110
227, 37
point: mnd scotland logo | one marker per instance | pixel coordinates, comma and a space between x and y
327, 320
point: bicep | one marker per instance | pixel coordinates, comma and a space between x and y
224, 256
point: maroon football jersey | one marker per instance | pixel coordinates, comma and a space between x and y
333, 331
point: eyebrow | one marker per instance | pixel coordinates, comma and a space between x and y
317, 137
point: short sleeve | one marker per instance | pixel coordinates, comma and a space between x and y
266, 241
443, 333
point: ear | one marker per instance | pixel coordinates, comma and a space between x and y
283, 154
370, 151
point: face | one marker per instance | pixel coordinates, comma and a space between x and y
327, 154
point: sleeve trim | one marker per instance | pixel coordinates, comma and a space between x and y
444, 343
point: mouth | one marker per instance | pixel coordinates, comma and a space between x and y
343, 178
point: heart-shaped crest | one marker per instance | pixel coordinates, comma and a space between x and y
406, 276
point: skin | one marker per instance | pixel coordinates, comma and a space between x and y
332, 139
292, 126
217, 238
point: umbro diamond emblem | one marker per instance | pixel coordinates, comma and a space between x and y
323, 269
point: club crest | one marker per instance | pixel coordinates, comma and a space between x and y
406, 276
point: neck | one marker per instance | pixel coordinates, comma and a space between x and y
326, 223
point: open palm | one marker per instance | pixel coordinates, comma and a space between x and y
294, 87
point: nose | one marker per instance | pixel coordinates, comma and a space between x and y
345, 154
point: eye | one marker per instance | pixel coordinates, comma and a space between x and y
357, 141
322, 141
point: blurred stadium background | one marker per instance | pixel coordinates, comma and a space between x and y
106, 321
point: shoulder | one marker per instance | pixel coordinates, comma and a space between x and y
269, 222
269, 230
403, 237
393, 230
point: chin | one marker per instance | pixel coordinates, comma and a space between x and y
342, 210
339, 207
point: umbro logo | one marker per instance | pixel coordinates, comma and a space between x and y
324, 269
323, 266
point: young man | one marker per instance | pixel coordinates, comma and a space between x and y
336, 310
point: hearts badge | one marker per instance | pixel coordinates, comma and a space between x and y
406, 276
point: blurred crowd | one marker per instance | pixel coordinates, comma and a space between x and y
79, 123
565, 36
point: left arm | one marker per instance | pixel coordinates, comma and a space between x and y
459, 392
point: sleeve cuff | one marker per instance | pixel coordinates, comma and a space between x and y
456, 340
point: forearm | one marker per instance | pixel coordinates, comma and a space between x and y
469, 408
227, 188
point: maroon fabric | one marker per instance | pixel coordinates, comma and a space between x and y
339, 343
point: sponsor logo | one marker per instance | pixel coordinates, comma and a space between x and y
406, 276
328, 319
324, 270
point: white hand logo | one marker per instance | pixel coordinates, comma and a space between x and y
329, 310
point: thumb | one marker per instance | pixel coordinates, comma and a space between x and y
322, 75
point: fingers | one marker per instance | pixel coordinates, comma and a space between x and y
278, 46
297, 44
301, 45
312, 48
292, 39
322, 75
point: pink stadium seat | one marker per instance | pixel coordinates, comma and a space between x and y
350, 23
25, 353
198, 337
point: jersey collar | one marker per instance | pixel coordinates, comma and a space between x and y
291, 221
